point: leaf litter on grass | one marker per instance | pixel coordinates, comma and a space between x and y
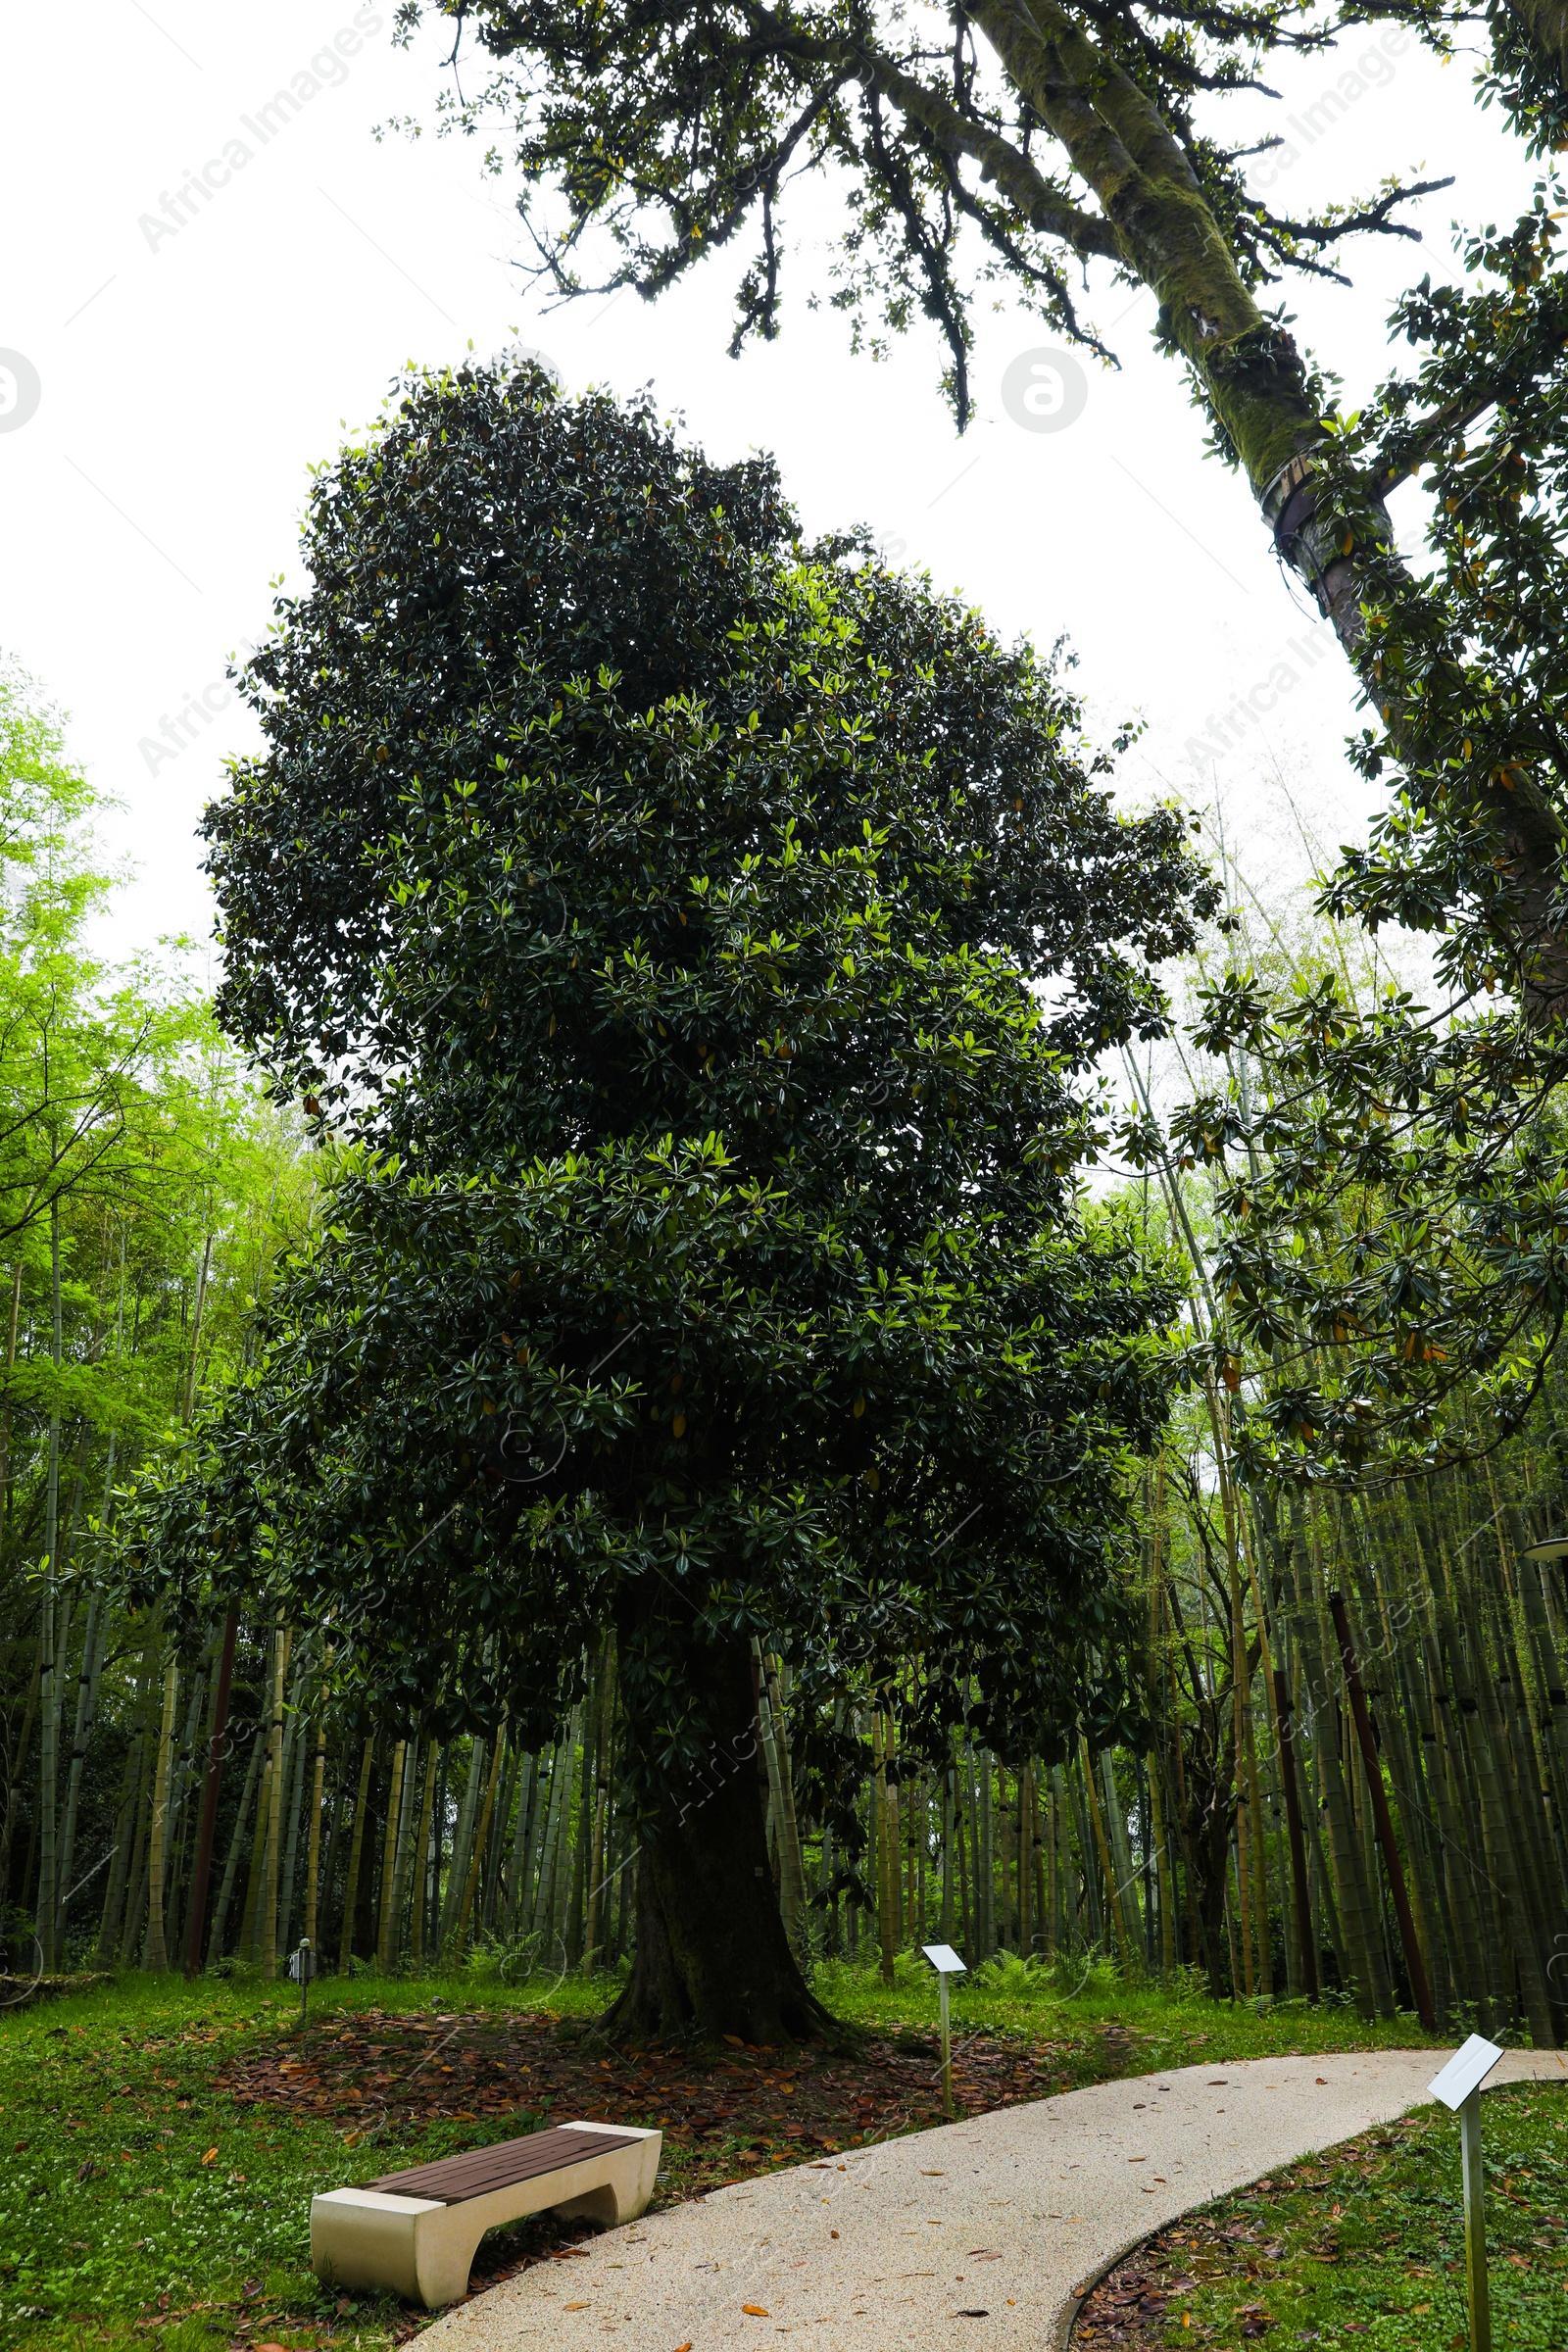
407, 2072
1365, 2240
380, 2076
387, 2079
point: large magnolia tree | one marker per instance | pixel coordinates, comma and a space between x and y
692, 938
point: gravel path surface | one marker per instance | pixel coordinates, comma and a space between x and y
971, 2235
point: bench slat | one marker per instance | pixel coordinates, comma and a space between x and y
454, 2179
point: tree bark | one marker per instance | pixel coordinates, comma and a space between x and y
1252, 372
712, 1955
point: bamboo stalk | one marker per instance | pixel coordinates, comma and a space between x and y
1414, 1962
385, 1943
421, 1848
1118, 1923
985, 1867
351, 1889
313, 1861
559, 1767
156, 1960
48, 1687
225, 1893
296, 1750
86, 1707
1301, 1910
463, 1844
109, 1926
600, 1815
886, 1915
1162, 1875
781, 1795
472, 1880
196, 1915
267, 1919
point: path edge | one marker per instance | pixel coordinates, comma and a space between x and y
1078, 2297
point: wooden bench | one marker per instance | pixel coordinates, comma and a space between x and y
417, 2231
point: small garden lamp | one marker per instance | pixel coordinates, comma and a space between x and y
1458, 2087
945, 1960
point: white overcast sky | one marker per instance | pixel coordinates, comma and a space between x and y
186, 385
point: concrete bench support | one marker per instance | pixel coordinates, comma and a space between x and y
417, 2231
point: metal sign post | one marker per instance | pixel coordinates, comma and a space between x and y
302, 1967
945, 1960
1458, 2087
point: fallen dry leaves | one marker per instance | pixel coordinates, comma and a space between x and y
1131, 2306
385, 2078
390, 2079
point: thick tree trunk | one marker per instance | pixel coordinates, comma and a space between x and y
1123, 148
711, 1952
1254, 382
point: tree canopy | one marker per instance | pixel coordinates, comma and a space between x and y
974, 149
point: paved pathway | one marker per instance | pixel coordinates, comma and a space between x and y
972, 2236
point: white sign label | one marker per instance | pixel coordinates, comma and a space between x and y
1465, 2072
944, 1959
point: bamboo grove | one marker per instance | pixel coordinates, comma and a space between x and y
220, 1805
1351, 1782
1248, 1841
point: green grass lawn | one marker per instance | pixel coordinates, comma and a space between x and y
1365, 2248
1072, 2011
140, 2205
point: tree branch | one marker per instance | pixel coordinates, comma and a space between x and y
1027, 189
